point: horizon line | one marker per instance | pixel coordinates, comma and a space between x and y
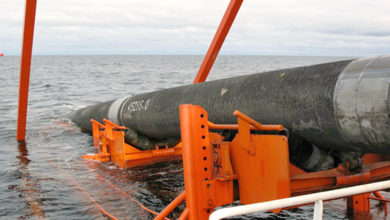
275, 55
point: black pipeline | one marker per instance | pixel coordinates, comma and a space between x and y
343, 106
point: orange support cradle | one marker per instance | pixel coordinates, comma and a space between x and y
110, 141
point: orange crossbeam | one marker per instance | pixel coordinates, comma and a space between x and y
256, 124
253, 125
302, 183
113, 124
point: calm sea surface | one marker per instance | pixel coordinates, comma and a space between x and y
48, 178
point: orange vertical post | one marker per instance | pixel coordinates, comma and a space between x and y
218, 40
360, 205
196, 160
28, 35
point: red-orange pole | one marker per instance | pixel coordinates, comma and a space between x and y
218, 40
164, 213
184, 214
28, 35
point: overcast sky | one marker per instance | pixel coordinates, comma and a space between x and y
262, 27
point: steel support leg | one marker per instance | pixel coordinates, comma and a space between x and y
196, 160
218, 40
28, 36
359, 205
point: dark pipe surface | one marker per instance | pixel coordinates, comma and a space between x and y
292, 97
302, 99
82, 117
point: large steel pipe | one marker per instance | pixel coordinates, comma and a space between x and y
341, 105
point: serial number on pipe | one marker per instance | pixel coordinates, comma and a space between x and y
136, 106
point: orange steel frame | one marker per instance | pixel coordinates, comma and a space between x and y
215, 171
213, 167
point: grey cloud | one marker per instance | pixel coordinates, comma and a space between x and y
279, 27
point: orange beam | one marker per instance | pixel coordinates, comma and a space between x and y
184, 214
164, 213
218, 40
28, 35
259, 126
